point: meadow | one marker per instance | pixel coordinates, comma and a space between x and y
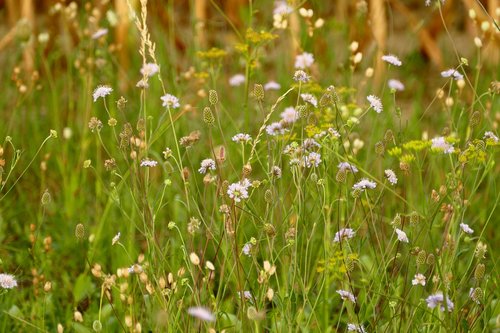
271, 167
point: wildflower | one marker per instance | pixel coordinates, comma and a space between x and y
170, 101
282, 8
143, 84
313, 159
392, 59
304, 60
363, 184
242, 138
237, 80
402, 236
391, 176
334, 132
346, 166
239, 190
201, 313
396, 85
346, 295
301, 76
289, 115
438, 299
101, 91
246, 294
375, 103
452, 73
7, 281
150, 69
148, 163
309, 144
135, 269
276, 172
343, 234
99, 33
476, 295
440, 143
116, 239
465, 228
275, 128
206, 164
272, 85
356, 328
418, 279
247, 249
310, 99
490, 136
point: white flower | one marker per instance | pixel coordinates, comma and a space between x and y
346, 295
148, 163
301, 76
304, 60
465, 228
239, 190
99, 33
396, 85
440, 143
343, 234
418, 279
309, 98
170, 101
149, 69
143, 84
275, 128
206, 164
313, 159
289, 115
452, 72
402, 235
334, 132
101, 91
375, 103
201, 313
116, 239
7, 281
282, 8
363, 184
355, 328
236, 80
392, 59
489, 135
438, 299
391, 176
347, 167
272, 85
241, 138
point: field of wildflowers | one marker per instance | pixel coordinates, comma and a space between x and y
270, 174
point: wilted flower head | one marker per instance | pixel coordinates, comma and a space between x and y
304, 60
465, 228
375, 103
363, 184
206, 164
149, 69
355, 328
148, 163
239, 190
346, 295
272, 85
236, 80
396, 85
289, 115
7, 281
391, 176
402, 236
452, 73
309, 98
276, 171
301, 76
440, 143
418, 279
201, 313
170, 101
392, 59
343, 234
101, 91
438, 300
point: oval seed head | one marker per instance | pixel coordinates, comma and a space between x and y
430, 259
379, 148
414, 218
213, 98
341, 176
208, 116
268, 196
247, 170
397, 220
302, 110
479, 272
79, 231
258, 91
388, 136
421, 257
477, 295
475, 119
46, 198
270, 230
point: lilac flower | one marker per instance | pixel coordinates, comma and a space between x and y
438, 300
310, 144
301, 76
149, 69
304, 60
355, 328
170, 101
275, 128
206, 164
148, 163
239, 190
101, 91
391, 176
201, 313
247, 248
312, 160
418, 279
344, 234
396, 85
375, 103
363, 184
402, 236
289, 115
272, 85
490, 136
392, 59
7, 281
242, 138
347, 167
439, 143
465, 228
282, 8
309, 98
346, 295
452, 73
99, 33
237, 80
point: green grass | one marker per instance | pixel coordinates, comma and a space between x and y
63, 202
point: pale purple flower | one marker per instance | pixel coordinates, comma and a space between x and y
391, 176
309, 98
116, 239
201, 313
149, 69
242, 138
334, 132
170, 101
440, 143
310, 144
363, 184
375, 103
489, 135
99, 33
275, 128
396, 85
347, 167
206, 164
301, 76
239, 190
402, 236
418, 279
101, 91
7, 281
272, 85
312, 160
304, 60
392, 59
282, 8
289, 115
346, 295
355, 328
465, 228
247, 248
452, 73
143, 84
135, 268
148, 163
438, 300
344, 234
237, 80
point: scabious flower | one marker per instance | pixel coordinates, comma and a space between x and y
99, 33
356, 328
275, 128
201, 313
402, 236
418, 279
310, 144
116, 239
242, 138
289, 115
239, 190
346, 295
344, 234
438, 300
170, 101
143, 84
304, 60
148, 163
396, 85
301, 76
391, 176
101, 91
309, 98
272, 85
375, 103
465, 228
312, 160
206, 164
347, 167
363, 184
236, 80
247, 295
247, 249
7, 281
452, 73
276, 172
440, 143
150, 69
392, 59
282, 8
490, 136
